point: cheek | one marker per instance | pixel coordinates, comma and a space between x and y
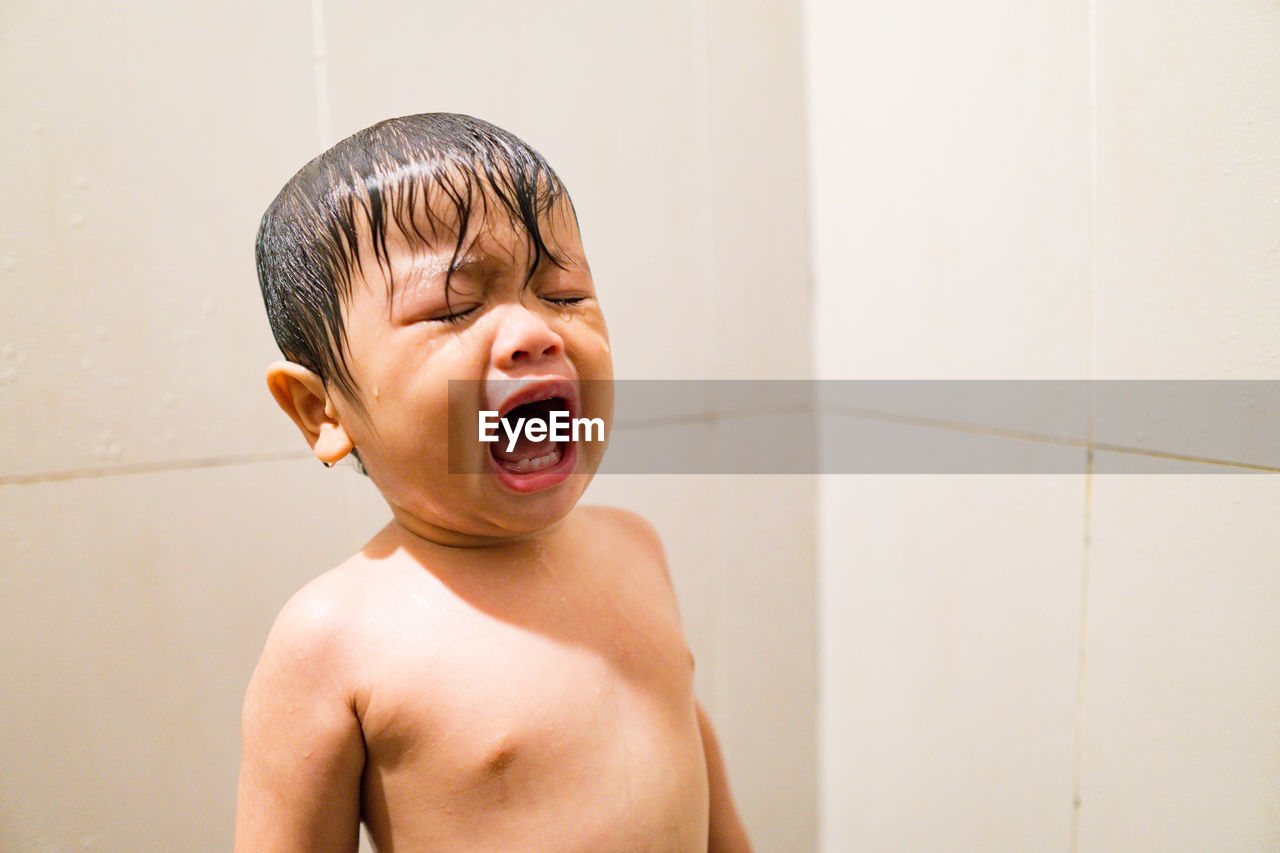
593, 346
596, 369
606, 355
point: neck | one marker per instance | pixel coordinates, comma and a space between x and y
413, 530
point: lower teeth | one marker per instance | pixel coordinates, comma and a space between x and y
537, 463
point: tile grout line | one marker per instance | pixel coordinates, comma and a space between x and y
151, 468
1077, 769
1082, 670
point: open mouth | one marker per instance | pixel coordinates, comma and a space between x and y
518, 448
534, 449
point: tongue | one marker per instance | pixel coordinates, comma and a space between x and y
524, 448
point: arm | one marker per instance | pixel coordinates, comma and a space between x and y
302, 749
727, 833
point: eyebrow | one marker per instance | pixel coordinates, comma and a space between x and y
429, 267
437, 264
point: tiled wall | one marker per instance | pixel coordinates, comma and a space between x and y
156, 510
1080, 661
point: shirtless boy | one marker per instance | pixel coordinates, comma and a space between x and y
498, 669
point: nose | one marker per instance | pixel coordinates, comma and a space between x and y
524, 339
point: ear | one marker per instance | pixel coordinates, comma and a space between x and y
304, 398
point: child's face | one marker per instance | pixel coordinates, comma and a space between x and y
498, 325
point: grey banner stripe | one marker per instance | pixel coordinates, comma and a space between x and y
941, 426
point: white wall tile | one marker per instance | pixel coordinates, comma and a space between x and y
949, 206
766, 539
139, 158
1183, 662
950, 611
135, 609
755, 193
1188, 190
949, 178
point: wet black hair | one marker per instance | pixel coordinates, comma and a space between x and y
388, 174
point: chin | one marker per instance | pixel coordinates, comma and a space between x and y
529, 512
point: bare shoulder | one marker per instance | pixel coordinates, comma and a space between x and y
314, 645
321, 615
623, 522
634, 531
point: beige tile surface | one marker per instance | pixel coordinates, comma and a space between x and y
135, 609
950, 611
768, 693
142, 158
1188, 190
754, 195
1183, 688
949, 176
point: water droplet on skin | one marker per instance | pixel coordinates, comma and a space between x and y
77, 221
114, 453
100, 332
6, 351
82, 181
207, 307
10, 263
166, 401
375, 392
37, 128
86, 363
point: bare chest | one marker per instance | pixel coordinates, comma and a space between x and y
568, 723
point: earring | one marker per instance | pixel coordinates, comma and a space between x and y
328, 464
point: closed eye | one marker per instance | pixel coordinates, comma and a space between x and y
456, 315
564, 300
